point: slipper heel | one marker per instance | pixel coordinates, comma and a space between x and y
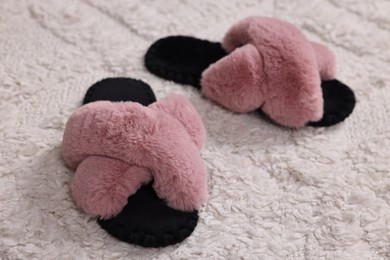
182, 59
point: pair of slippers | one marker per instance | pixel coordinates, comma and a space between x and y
137, 162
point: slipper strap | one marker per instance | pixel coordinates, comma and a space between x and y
236, 81
101, 185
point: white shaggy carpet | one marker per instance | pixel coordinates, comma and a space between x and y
275, 193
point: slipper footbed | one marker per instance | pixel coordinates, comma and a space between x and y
146, 220
182, 59
120, 89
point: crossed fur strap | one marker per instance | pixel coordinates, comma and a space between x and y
273, 66
117, 147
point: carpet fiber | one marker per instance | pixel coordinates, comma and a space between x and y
274, 193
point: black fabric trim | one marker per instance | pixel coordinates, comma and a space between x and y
182, 59
146, 220
339, 102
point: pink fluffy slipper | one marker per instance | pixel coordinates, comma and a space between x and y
262, 63
138, 168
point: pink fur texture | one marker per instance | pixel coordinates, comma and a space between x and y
182, 110
326, 61
239, 76
102, 185
117, 147
273, 66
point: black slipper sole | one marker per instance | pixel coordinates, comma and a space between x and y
182, 59
146, 220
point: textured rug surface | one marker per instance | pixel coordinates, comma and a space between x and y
274, 193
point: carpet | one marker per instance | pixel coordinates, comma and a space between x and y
274, 192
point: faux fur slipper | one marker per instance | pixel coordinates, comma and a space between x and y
262, 63
138, 167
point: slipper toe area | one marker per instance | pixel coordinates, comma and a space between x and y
182, 59
102, 185
339, 102
147, 221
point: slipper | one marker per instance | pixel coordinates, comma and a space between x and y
262, 63
138, 167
